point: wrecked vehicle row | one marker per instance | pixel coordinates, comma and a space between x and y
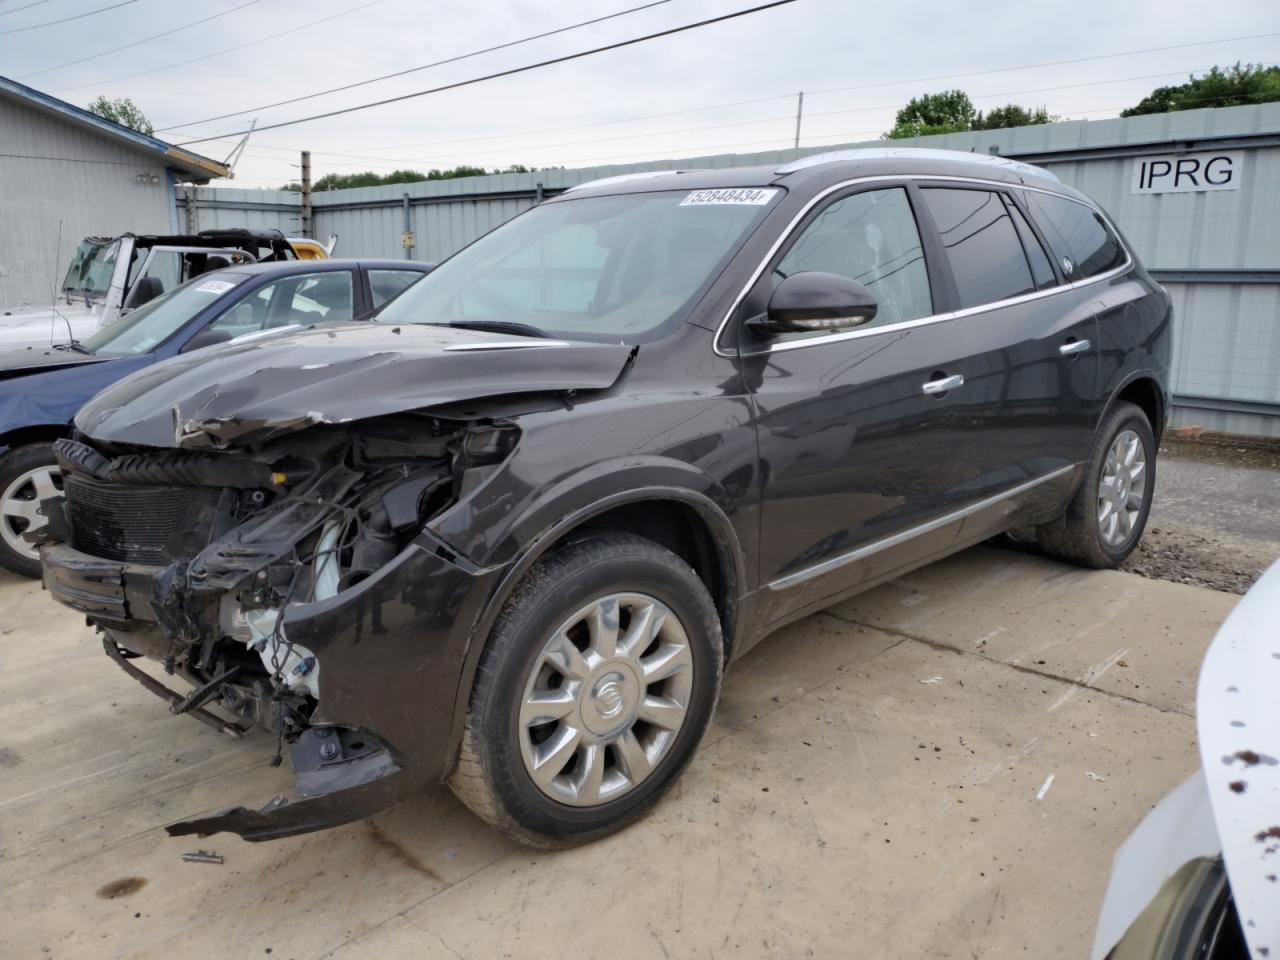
508, 536
41, 390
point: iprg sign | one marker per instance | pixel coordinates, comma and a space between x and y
1187, 172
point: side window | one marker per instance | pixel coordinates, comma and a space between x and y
163, 273
303, 298
982, 245
1041, 270
1080, 237
870, 237
389, 284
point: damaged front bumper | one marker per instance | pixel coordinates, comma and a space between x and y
286, 619
391, 650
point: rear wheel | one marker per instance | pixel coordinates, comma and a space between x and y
28, 474
1105, 519
599, 679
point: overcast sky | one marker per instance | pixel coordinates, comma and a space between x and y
857, 62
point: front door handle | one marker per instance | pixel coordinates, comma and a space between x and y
935, 387
1072, 347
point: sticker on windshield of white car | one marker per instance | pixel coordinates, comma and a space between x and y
750, 196
214, 286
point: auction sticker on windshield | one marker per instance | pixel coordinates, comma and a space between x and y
214, 286
751, 197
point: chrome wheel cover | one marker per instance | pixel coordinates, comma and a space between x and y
20, 505
605, 699
1122, 488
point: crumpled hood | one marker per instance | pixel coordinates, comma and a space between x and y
250, 392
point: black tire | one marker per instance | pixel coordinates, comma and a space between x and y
491, 777
12, 466
1076, 536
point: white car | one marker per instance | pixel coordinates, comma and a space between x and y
1199, 879
109, 276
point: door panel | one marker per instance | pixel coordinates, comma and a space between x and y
867, 467
853, 449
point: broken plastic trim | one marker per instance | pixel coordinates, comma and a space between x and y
343, 776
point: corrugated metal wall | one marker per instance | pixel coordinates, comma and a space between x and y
1218, 252
52, 171
226, 207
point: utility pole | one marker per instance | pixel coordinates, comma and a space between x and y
306, 193
193, 218
799, 115
406, 237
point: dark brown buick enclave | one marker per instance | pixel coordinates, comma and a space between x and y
509, 534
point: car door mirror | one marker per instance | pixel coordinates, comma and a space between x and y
812, 301
206, 338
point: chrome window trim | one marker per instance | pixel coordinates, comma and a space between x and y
919, 321
893, 540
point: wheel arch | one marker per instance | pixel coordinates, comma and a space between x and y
1144, 391
35, 433
685, 521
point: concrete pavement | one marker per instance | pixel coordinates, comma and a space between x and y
868, 788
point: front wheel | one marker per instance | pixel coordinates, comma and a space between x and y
1105, 519
27, 475
598, 681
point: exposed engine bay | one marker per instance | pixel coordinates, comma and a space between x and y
230, 539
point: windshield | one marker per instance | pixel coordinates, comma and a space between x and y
618, 268
155, 321
91, 268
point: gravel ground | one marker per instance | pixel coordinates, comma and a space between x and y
1215, 519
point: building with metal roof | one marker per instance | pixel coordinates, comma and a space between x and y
67, 172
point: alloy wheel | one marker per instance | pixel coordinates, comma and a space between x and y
605, 699
20, 507
1122, 488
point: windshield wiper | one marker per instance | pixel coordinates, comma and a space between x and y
501, 326
75, 345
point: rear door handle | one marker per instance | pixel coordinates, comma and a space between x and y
1072, 347
934, 387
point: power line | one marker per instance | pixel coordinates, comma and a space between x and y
217, 53
155, 36
744, 123
78, 16
508, 73
1052, 63
425, 66
788, 96
27, 7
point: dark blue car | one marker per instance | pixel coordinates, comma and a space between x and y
41, 390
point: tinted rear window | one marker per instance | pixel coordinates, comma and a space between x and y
982, 245
1079, 236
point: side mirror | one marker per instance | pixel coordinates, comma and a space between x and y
808, 302
207, 337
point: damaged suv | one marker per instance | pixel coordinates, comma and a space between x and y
509, 535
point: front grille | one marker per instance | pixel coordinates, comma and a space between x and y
133, 524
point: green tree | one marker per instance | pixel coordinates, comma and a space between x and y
124, 112
950, 111
1237, 85
344, 181
1010, 115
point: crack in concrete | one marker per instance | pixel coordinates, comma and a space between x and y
1020, 668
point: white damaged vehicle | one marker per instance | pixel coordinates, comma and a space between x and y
109, 276
1199, 879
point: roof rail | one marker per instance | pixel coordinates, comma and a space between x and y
623, 178
913, 153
